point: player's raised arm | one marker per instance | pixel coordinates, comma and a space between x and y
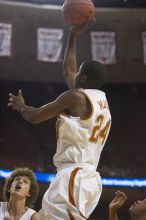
69, 62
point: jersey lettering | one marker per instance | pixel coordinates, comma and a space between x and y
96, 132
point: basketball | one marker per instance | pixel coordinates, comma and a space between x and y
78, 12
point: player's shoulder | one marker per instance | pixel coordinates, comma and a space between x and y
94, 92
74, 93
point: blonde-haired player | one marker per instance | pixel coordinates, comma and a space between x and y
82, 129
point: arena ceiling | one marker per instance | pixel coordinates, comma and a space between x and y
98, 3
128, 24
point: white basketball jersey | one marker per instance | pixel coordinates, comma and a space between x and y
81, 140
4, 212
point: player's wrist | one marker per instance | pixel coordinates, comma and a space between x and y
22, 108
72, 39
113, 209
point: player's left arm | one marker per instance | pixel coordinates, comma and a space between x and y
37, 115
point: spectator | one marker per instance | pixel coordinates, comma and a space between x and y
20, 191
137, 210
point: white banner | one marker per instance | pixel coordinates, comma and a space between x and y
103, 46
5, 39
144, 45
49, 44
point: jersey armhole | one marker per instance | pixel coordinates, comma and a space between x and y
92, 107
33, 215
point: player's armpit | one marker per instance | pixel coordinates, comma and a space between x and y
35, 217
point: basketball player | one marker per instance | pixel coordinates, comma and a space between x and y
20, 191
82, 129
137, 210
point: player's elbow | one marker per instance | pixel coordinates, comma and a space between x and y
33, 120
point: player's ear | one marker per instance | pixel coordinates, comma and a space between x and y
28, 194
83, 78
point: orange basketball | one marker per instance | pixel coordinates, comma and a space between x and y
78, 12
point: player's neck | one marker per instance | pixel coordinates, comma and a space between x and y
16, 207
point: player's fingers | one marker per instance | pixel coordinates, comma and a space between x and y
19, 92
122, 193
11, 99
10, 104
117, 193
91, 20
73, 26
11, 95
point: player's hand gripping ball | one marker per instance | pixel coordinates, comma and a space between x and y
78, 12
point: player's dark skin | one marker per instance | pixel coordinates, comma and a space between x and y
73, 101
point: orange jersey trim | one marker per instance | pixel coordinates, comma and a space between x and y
92, 107
71, 193
82, 117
